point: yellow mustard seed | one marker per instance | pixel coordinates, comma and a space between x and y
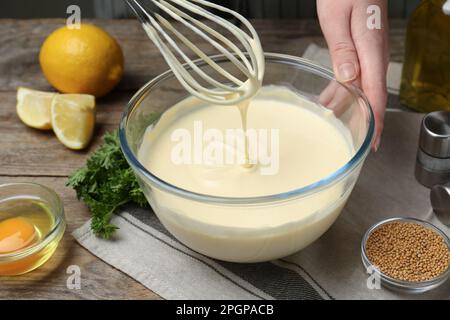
408, 251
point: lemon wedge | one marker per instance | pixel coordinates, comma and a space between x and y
33, 108
73, 119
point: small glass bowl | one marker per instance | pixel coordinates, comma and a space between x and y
401, 285
31, 257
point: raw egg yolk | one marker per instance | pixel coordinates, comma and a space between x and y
15, 234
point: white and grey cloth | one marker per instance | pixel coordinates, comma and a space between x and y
330, 268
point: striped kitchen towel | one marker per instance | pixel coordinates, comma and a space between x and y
330, 268
143, 249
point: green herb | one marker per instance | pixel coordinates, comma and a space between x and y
106, 183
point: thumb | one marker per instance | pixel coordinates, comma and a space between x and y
337, 32
345, 61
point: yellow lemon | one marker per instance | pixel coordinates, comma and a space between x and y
86, 60
33, 108
73, 119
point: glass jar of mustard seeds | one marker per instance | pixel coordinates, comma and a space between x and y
394, 283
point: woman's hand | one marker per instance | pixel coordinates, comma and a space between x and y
359, 54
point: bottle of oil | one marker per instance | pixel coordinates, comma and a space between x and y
426, 72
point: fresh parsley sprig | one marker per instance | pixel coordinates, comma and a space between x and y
106, 183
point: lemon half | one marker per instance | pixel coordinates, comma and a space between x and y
73, 119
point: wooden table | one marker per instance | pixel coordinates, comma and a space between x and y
29, 155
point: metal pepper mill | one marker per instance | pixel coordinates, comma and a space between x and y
433, 161
440, 201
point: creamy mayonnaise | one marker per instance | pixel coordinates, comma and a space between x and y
312, 144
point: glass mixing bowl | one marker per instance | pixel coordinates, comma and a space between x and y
299, 216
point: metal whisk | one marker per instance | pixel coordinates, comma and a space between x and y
162, 32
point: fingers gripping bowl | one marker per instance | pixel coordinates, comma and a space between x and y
255, 228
